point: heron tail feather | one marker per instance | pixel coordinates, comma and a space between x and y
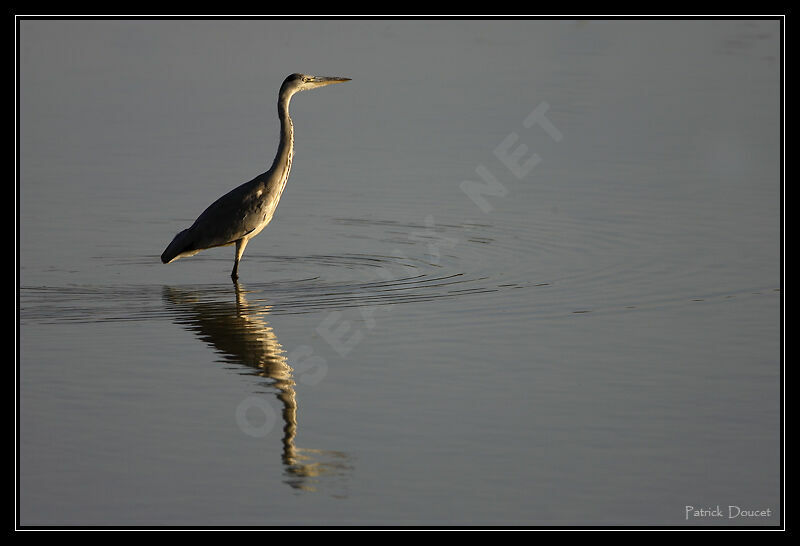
179, 247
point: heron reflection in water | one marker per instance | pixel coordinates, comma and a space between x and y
237, 330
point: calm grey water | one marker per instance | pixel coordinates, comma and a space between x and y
523, 273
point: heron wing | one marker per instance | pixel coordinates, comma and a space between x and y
231, 217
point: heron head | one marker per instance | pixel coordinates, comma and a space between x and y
302, 82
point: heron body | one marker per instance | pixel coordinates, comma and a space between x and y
243, 212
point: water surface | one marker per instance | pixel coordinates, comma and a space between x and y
523, 273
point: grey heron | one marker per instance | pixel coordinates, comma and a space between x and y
243, 212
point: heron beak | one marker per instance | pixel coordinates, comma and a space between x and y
320, 81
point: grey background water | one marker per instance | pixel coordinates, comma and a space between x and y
591, 338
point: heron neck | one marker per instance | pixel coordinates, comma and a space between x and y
283, 159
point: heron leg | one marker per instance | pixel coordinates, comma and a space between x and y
240, 244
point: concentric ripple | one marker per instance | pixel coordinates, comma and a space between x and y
366, 281
564, 264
